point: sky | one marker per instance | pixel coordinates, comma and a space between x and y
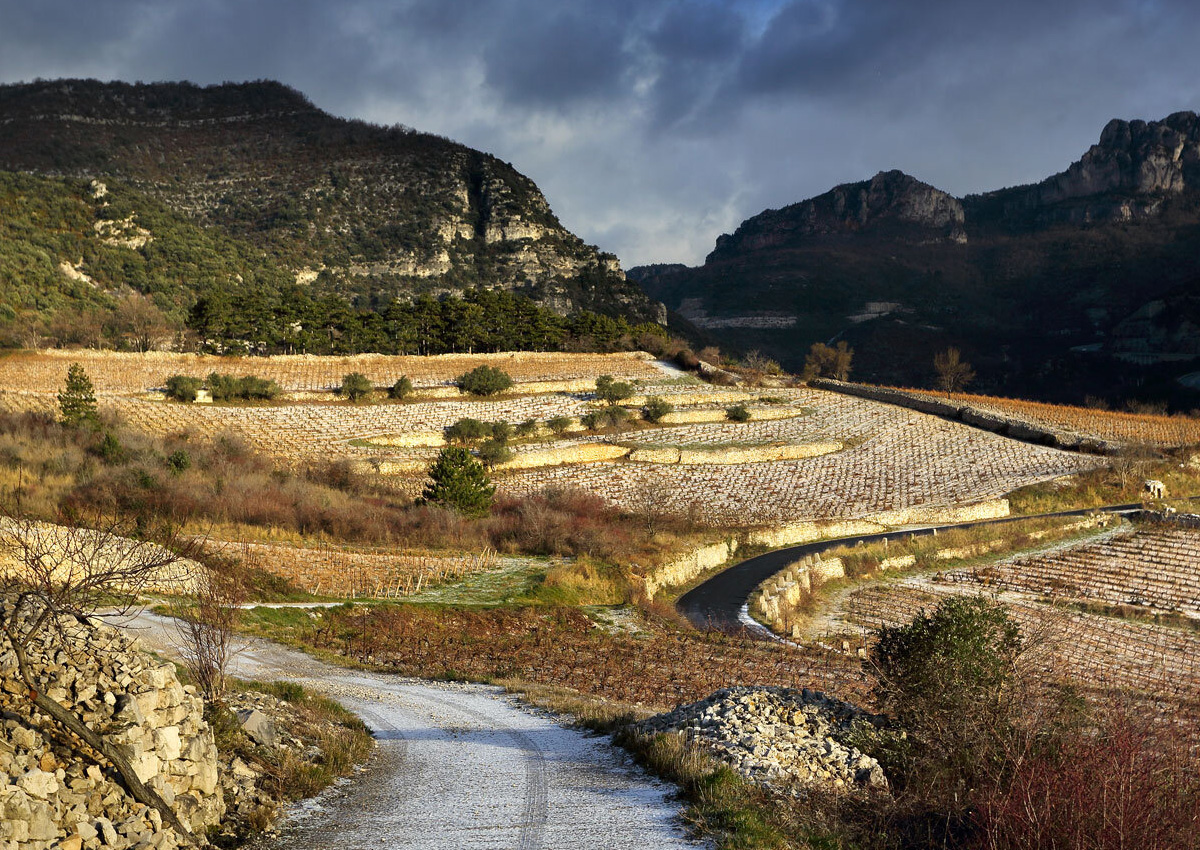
653, 126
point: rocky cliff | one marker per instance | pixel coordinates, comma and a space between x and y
1087, 283
339, 205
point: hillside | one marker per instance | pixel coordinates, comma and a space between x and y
1084, 284
249, 187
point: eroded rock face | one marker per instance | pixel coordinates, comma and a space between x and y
890, 201
781, 737
52, 797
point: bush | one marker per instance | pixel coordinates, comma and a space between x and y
527, 428
686, 359
559, 425
612, 391
355, 386
947, 678
110, 450
593, 421
183, 387
501, 431
178, 461
400, 390
656, 408
247, 387
459, 482
493, 452
483, 381
467, 430
737, 413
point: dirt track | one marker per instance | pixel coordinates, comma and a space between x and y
463, 766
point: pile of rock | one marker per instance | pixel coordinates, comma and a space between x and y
50, 796
780, 737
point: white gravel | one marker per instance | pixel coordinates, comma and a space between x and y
462, 766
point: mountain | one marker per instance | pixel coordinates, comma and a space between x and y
1087, 283
274, 185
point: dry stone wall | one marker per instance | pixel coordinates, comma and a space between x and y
52, 797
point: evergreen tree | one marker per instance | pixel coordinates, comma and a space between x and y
458, 481
77, 401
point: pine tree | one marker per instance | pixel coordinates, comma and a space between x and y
77, 401
458, 481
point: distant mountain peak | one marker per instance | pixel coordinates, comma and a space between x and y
891, 204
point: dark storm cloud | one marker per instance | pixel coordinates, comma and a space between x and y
652, 125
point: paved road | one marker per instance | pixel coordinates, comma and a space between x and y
463, 766
718, 602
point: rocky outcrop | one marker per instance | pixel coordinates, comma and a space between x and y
1132, 158
781, 737
51, 796
890, 203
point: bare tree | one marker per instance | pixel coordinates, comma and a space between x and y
825, 361
54, 575
953, 373
206, 623
649, 500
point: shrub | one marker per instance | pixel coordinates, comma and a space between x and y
612, 391
501, 431
178, 461
459, 482
527, 428
656, 408
402, 389
559, 424
484, 381
593, 421
947, 678
231, 387
686, 359
77, 401
737, 413
467, 430
183, 387
355, 386
110, 450
493, 452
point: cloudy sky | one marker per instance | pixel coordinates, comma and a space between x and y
652, 126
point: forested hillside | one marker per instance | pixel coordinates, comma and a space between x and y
119, 202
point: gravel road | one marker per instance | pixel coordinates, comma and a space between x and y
461, 766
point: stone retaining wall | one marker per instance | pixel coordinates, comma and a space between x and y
757, 454
683, 570
51, 797
571, 453
1017, 429
775, 599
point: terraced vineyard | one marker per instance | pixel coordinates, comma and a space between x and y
1145, 571
1157, 570
866, 457
121, 373
1097, 651
351, 573
1161, 431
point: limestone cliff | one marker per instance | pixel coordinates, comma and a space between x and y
344, 206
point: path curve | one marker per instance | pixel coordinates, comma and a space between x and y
718, 602
461, 766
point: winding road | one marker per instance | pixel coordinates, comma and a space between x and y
718, 602
461, 766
